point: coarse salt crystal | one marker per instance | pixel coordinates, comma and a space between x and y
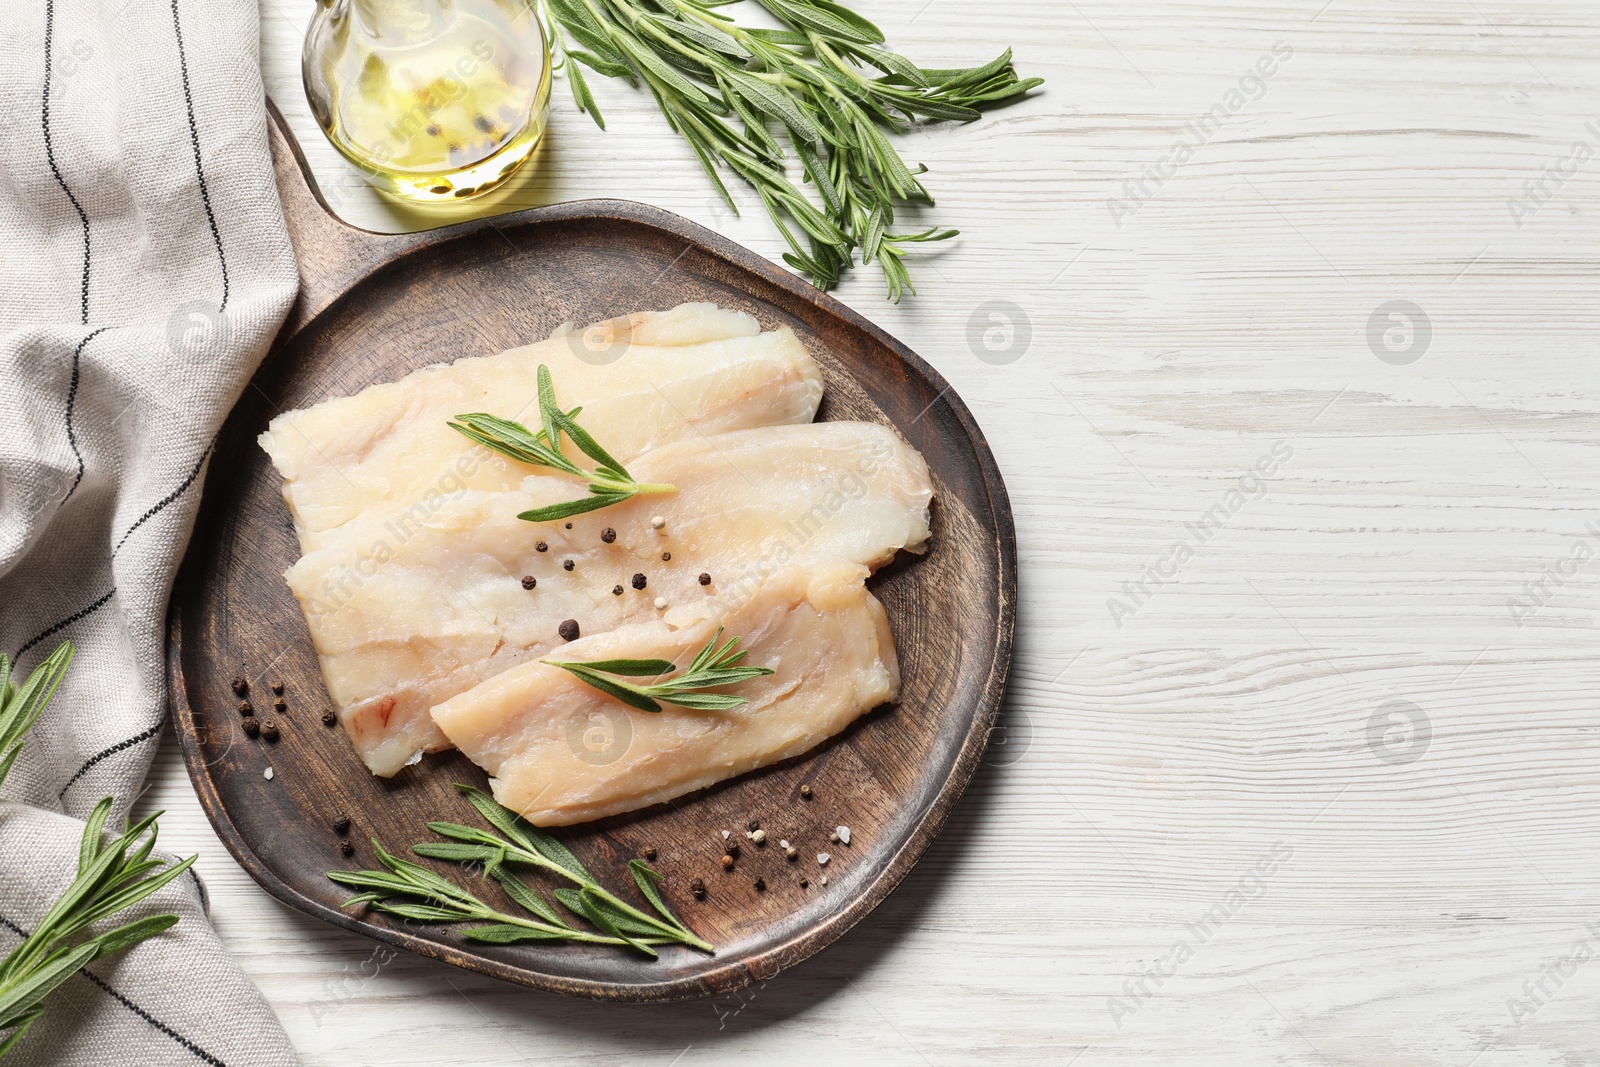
823, 858
267, 774
844, 834
725, 835
783, 844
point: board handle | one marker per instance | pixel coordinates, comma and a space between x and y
332, 255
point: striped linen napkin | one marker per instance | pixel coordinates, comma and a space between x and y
144, 269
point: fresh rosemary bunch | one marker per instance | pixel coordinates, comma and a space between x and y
725, 87
609, 483
414, 892
111, 876
711, 667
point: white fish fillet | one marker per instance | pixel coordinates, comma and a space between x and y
696, 369
407, 613
562, 752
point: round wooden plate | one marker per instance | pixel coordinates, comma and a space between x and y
374, 307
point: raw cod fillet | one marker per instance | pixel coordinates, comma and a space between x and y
406, 613
562, 752
693, 370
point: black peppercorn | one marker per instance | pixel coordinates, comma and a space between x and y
698, 888
529, 581
245, 708
705, 579
665, 556
733, 849
252, 728
329, 718
616, 590
269, 730
277, 686
569, 525
342, 827
761, 885
639, 581
542, 547
752, 825
608, 535
280, 705
568, 630
346, 849
240, 685
566, 564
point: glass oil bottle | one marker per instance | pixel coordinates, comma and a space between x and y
432, 100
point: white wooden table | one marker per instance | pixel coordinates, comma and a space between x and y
1320, 792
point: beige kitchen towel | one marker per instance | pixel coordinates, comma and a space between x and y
144, 269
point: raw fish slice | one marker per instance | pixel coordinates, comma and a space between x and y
562, 752
643, 380
408, 612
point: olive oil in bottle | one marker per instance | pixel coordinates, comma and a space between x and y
432, 100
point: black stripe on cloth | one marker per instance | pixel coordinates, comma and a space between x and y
194, 141
199, 1053
68, 621
161, 505
50, 152
139, 738
72, 403
200, 888
204, 1056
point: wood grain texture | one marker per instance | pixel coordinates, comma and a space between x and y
373, 309
1140, 783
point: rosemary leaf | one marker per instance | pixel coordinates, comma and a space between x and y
647, 879
506, 934
573, 507
456, 852
581, 96
632, 668
630, 695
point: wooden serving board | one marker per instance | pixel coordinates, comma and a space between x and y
372, 308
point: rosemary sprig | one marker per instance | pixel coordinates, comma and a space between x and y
711, 667
414, 892
111, 876
609, 483
725, 87
411, 891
